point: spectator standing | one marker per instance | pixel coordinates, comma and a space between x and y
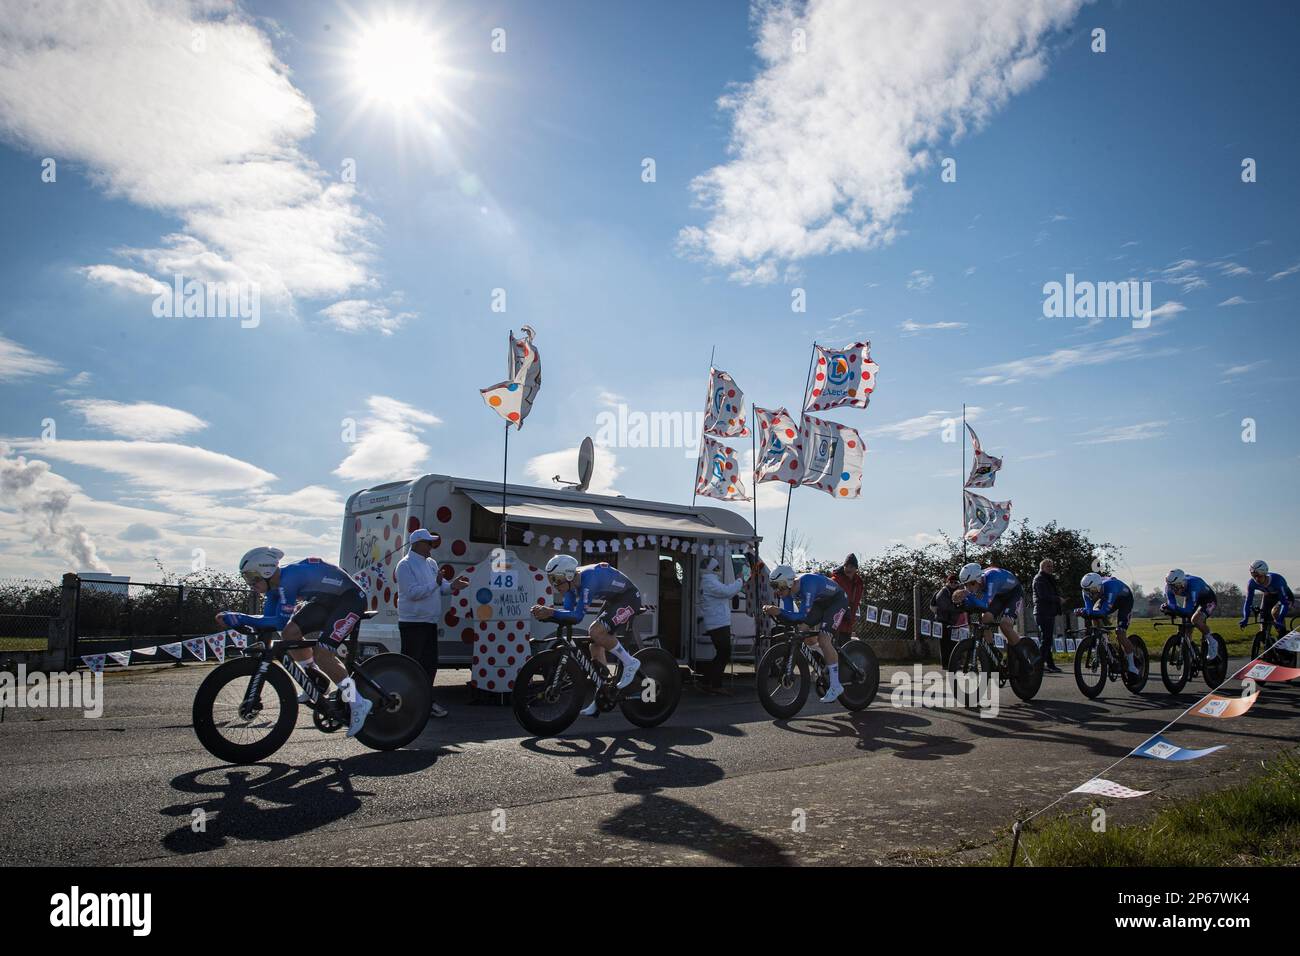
715, 609
1047, 605
420, 589
948, 615
851, 583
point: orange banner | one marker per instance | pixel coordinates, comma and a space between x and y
1218, 706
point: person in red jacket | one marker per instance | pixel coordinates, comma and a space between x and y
850, 582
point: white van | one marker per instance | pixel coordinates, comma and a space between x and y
663, 560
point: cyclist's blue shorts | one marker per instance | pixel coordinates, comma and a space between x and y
1124, 610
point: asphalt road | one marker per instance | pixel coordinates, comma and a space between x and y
720, 783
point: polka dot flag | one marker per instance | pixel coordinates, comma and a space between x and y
718, 472
513, 399
780, 453
844, 376
985, 519
833, 456
724, 410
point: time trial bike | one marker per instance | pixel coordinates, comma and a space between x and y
246, 708
790, 668
977, 655
1183, 658
1099, 657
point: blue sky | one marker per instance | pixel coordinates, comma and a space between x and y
522, 171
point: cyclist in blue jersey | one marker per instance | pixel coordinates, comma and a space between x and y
1277, 596
1103, 596
996, 593
331, 604
1200, 604
821, 605
578, 586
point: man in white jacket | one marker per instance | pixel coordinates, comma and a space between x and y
715, 609
419, 604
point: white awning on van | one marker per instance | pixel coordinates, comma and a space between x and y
613, 520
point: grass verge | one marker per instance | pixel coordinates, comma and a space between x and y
1252, 823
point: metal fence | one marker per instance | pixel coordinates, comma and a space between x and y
113, 616
27, 605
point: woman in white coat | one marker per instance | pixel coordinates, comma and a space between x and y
715, 608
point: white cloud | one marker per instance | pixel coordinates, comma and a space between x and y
314, 501
361, 315
604, 472
40, 501
1233, 269
825, 144
389, 446
1235, 300
18, 362
143, 420
919, 280
129, 279
1235, 370
154, 465
1139, 432
1135, 345
911, 429
185, 108
912, 328
1182, 274
1289, 271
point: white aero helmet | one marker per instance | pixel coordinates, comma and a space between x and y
562, 567
970, 573
1259, 567
1176, 578
782, 577
1091, 581
261, 561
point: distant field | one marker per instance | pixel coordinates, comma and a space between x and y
22, 643
1238, 641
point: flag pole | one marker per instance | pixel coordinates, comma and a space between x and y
962, 478
802, 402
695, 484
505, 457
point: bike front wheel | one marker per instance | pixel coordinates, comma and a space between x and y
1136, 683
548, 693
1027, 672
782, 697
1090, 666
965, 668
653, 694
1176, 664
1216, 671
234, 730
400, 704
858, 663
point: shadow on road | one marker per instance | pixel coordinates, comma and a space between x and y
909, 735
650, 762
233, 799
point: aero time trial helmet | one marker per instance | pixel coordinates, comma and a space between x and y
970, 573
1259, 567
1091, 581
782, 578
261, 562
562, 569
1176, 578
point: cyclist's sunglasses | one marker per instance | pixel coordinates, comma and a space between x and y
1259, 575
252, 577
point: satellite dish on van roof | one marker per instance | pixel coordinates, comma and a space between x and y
586, 462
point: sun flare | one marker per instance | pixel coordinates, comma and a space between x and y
396, 62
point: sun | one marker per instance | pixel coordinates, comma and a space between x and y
396, 62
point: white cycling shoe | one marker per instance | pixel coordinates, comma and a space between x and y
629, 673
360, 711
833, 694
589, 710
1211, 650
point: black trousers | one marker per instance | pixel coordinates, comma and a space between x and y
714, 669
420, 641
1046, 636
946, 644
